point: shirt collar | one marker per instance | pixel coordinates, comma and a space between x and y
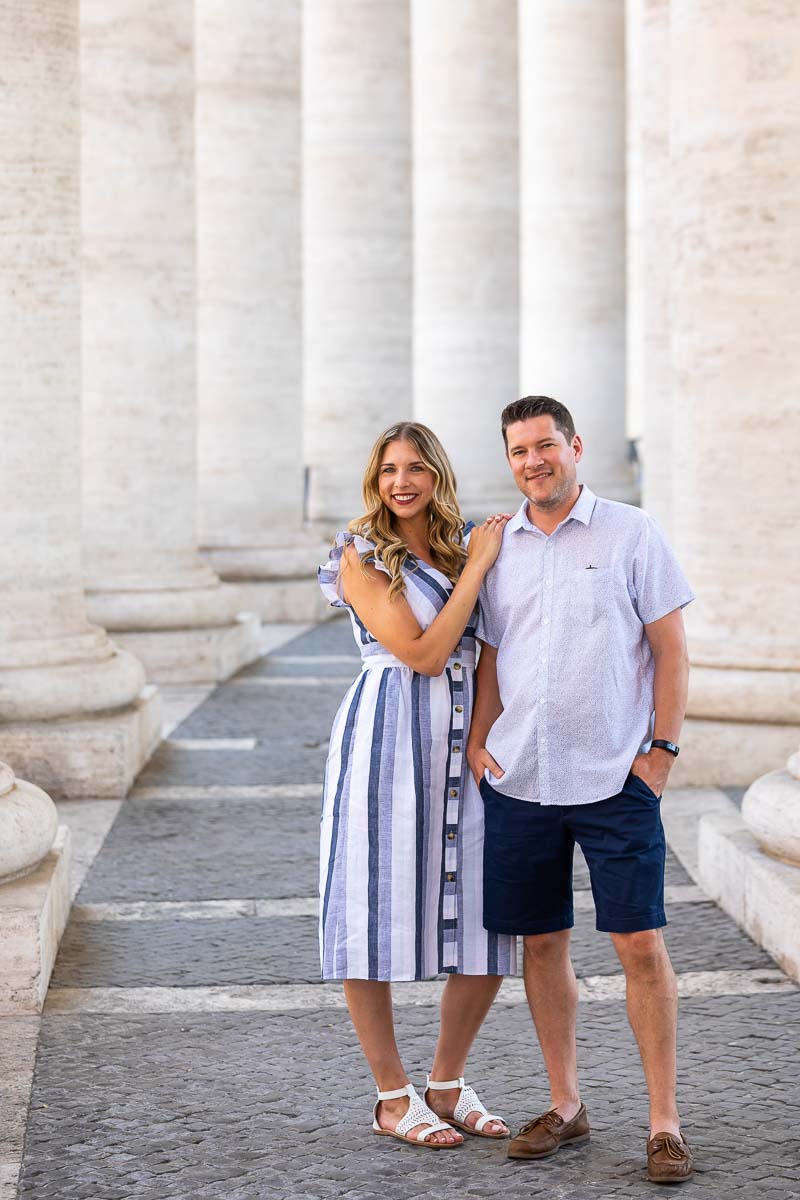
581, 511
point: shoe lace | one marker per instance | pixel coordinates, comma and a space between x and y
551, 1120
675, 1149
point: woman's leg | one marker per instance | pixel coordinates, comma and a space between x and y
370, 1005
465, 1002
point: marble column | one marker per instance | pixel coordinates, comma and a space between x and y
73, 714
735, 188
649, 376
145, 579
572, 224
466, 247
249, 302
357, 242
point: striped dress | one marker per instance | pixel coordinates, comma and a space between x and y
401, 864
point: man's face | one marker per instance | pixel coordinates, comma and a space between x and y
543, 461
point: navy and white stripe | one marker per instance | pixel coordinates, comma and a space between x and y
401, 868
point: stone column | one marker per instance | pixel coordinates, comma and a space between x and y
249, 301
73, 716
649, 376
735, 191
145, 579
466, 237
357, 242
572, 224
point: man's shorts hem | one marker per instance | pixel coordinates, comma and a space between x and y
651, 920
531, 928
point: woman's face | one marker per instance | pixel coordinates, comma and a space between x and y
404, 482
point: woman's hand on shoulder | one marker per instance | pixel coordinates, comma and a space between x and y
485, 541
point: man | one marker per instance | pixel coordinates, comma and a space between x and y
582, 641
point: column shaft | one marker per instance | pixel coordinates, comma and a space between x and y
572, 227
465, 237
735, 125
145, 578
357, 241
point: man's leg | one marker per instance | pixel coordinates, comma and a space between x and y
552, 991
652, 1000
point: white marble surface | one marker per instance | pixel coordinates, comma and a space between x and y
357, 285
466, 251
572, 224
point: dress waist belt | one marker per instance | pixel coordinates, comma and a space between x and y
389, 660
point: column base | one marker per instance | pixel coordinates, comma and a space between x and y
759, 892
279, 582
204, 655
33, 916
88, 757
730, 753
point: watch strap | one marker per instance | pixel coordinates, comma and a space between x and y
670, 747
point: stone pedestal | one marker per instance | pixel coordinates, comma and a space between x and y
572, 224
143, 572
648, 370
56, 669
750, 864
357, 242
33, 916
466, 247
735, 200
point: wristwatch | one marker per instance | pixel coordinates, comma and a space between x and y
670, 747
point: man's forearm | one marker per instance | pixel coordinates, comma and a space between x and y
487, 707
670, 690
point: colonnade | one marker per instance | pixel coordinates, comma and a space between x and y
297, 223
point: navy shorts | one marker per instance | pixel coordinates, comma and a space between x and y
527, 861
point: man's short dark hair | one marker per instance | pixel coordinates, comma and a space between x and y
538, 406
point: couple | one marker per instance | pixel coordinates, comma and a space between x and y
454, 796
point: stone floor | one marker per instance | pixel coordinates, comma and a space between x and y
188, 1050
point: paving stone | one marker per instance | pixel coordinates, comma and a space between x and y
301, 762
207, 850
290, 716
241, 1101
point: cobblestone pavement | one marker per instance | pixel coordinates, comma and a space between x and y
272, 1105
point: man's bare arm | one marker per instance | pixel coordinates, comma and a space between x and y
486, 710
667, 638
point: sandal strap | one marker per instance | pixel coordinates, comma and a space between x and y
408, 1090
446, 1085
420, 1114
468, 1102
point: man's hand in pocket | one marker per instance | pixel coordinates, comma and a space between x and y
480, 760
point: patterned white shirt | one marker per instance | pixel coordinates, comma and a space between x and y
574, 667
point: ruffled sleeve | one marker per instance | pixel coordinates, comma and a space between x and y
328, 573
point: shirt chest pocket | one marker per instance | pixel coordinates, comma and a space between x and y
590, 594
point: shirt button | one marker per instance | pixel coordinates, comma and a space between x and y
450, 837
546, 620
459, 708
543, 658
541, 699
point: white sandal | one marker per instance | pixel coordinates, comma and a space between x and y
418, 1114
468, 1102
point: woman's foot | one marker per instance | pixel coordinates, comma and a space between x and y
390, 1112
444, 1101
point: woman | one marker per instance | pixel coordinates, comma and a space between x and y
402, 821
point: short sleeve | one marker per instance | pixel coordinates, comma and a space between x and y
328, 574
659, 584
485, 629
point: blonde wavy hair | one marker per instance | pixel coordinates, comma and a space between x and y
445, 523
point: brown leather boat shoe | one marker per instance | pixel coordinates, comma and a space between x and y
669, 1159
546, 1134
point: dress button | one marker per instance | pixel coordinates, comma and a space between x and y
450, 878
450, 837
458, 649
456, 666
459, 708
453, 791
456, 749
